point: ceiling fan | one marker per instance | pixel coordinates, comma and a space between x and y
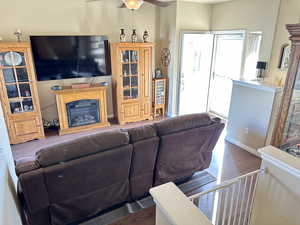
136, 4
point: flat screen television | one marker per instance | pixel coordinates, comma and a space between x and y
64, 57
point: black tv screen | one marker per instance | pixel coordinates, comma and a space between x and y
64, 57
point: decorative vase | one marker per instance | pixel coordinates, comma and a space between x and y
145, 36
122, 36
134, 36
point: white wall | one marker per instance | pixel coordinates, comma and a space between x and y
67, 17
167, 39
250, 15
289, 14
194, 16
9, 214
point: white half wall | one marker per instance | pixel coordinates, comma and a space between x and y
9, 214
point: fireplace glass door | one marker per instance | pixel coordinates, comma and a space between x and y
83, 112
130, 71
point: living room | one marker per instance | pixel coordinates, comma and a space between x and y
170, 75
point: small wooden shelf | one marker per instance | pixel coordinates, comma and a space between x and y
159, 96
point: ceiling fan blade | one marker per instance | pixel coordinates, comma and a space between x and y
159, 3
93, 0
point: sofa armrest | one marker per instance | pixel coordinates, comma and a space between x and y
26, 166
35, 200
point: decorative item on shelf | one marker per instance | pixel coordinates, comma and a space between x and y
165, 57
18, 35
122, 36
158, 73
261, 67
51, 125
146, 36
80, 85
56, 88
134, 36
284, 57
27, 93
103, 83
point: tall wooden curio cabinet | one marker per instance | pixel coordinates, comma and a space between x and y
18, 93
287, 130
132, 77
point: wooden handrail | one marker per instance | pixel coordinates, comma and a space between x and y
174, 208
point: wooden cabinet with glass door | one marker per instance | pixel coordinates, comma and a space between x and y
287, 130
132, 75
18, 93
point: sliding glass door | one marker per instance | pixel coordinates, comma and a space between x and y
227, 65
209, 62
196, 58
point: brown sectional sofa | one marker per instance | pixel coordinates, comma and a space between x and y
77, 179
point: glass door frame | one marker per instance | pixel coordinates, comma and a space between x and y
225, 32
180, 50
214, 33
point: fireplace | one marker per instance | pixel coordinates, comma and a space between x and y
81, 109
83, 112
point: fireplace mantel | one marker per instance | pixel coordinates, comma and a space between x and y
92, 116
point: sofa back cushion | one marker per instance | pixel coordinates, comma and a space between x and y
145, 145
181, 123
81, 147
185, 149
86, 176
83, 187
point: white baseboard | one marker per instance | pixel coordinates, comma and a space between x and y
243, 146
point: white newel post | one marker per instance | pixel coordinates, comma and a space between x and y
277, 199
9, 214
174, 208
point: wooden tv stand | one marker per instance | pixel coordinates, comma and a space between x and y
78, 100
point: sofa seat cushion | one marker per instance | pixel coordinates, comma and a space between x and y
185, 122
80, 147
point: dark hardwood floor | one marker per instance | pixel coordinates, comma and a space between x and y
228, 161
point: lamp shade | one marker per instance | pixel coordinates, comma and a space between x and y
261, 65
133, 4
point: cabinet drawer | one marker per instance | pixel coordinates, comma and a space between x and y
25, 129
131, 110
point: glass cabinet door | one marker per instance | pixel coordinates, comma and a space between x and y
292, 124
17, 82
130, 74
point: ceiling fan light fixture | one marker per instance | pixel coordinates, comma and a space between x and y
133, 4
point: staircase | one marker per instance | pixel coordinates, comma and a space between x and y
269, 196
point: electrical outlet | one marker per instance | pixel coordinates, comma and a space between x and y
246, 130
